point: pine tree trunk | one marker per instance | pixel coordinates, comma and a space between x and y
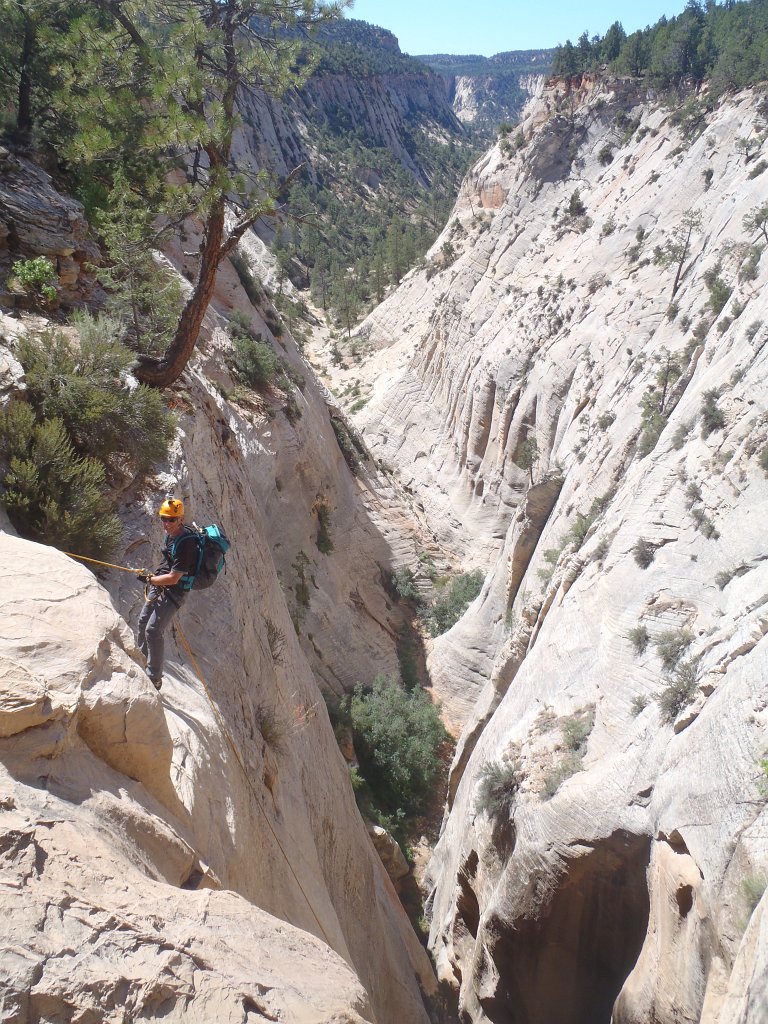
163, 371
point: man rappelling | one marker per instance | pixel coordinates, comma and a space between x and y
167, 587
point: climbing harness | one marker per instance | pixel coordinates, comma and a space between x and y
230, 741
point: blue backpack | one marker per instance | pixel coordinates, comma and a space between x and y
212, 546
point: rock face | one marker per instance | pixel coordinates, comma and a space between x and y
384, 109
487, 91
492, 99
198, 854
36, 220
597, 444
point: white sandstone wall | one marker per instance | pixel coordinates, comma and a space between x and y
197, 853
627, 885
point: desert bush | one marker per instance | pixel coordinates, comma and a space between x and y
605, 155
722, 579
643, 552
679, 693
86, 386
403, 582
577, 727
576, 207
398, 734
272, 727
253, 360
704, 524
551, 556
712, 417
671, 645
452, 601
242, 265
568, 766
639, 704
762, 460
275, 640
752, 889
348, 443
36, 277
680, 435
639, 636
719, 293
50, 492
498, 783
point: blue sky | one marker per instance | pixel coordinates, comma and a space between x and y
491, 26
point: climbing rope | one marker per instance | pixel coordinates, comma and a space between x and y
230, 741
109, 565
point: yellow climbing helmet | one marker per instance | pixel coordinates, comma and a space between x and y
172, 508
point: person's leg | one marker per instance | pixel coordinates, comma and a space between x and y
141, 629
162, 612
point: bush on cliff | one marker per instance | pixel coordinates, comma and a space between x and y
51, 494
452, 601
397, 734
85, 429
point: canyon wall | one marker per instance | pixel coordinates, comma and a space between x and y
197, 854
574, 389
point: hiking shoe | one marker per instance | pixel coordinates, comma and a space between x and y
157, 681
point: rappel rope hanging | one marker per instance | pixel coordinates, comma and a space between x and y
230, 741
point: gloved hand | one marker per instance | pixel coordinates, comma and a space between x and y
144, 575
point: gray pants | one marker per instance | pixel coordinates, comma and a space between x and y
157, 613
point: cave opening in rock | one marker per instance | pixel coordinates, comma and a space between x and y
568, 965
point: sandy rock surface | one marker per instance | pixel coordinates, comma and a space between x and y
612, 670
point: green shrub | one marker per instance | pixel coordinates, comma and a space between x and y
580, 527
675, 697
143, 294
448, 607
722, 579
242, 265
639, 704
719, 293
680, 435
644, 552
605, 155
347, 443
36, 276
551, 556
639, 636
403, 583
397, 737
254, 361
568, 766
704, 524
126, 428
576, 729
576, 207
762, 460
712, 417
52, 494
498, 783
671, 645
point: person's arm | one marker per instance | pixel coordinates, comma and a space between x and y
166, 579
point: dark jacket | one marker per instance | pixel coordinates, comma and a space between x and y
179, 555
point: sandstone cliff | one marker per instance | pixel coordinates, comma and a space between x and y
197, 854
597, 445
